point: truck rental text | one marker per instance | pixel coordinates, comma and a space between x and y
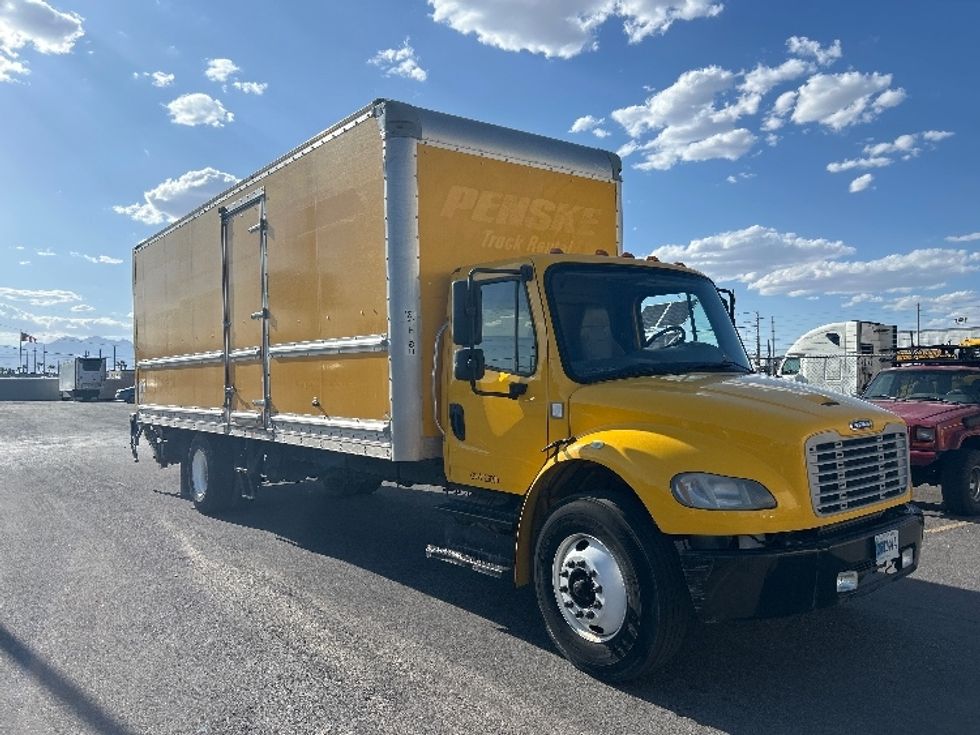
423, 299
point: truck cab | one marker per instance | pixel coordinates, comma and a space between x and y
593, 388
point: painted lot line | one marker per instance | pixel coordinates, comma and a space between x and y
948, 526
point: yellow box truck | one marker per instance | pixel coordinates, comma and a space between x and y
419, 298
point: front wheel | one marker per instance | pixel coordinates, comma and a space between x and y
961, 482
609, 588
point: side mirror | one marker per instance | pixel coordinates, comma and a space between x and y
467, 312
469, 364
729, 301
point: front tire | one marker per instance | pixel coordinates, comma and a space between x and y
961, 482
207, 476
609, 587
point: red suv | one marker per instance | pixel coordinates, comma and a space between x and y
940, 401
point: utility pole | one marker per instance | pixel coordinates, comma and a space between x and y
35, 359
918, 324
772, 329
758, 340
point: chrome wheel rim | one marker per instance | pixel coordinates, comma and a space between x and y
199, 475
974, 483
589, 588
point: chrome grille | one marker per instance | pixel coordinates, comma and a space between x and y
850, 472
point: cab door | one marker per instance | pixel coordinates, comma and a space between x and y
495, 433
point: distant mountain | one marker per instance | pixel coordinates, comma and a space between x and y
65, 348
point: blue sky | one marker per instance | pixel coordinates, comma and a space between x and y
820, 158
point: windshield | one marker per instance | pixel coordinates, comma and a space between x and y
616, 321
951, 386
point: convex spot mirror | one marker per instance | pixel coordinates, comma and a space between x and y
469, 364
467, 313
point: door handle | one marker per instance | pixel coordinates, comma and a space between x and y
260, 314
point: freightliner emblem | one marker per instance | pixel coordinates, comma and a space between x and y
859, 424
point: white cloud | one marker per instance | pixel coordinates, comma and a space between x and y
692, 95
82, 308
218, 70
37, 24
586, 123
748, 254
563, 28
741, 176
924, 269
174, 198
47, 327
199, 109
863, 298
46, 253
763, 78
972, 237
23, 262
860, 183
256, 88
879, 155
852, 163
399, 62
824, 55
10, 67
38, 297
840, 100
99, 259
157, 78
590, 124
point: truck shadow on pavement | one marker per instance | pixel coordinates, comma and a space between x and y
901, 660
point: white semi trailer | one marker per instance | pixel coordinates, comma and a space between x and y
81, 378
841, 356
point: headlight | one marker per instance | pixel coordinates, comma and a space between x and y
925, 433
715, 492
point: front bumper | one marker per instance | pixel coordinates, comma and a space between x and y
796, 572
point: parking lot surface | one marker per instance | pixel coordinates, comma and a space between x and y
123, 610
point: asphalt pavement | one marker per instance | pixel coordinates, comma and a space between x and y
123, 610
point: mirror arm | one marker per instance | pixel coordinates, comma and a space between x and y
514, 391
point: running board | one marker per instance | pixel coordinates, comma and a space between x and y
462, 559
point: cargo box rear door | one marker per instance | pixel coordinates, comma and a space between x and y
246, 311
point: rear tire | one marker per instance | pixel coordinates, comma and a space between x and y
207, 476
610, 588
961, 482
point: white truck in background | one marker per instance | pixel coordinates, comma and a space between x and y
841, 356
81, 378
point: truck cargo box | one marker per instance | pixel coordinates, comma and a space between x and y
297, 305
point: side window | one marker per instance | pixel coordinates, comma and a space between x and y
508, 332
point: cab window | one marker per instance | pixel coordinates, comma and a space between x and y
508, 344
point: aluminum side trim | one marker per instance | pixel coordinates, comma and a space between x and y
340, 346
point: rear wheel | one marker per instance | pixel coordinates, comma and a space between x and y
207, 476
609, 588
961, 482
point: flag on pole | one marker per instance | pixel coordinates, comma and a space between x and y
25, 337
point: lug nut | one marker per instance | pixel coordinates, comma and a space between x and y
569, 603
578, 613
570, 565
581, 564
590, 615
563, 574
563, 588
597, 605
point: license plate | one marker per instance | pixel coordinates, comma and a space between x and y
886, 547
